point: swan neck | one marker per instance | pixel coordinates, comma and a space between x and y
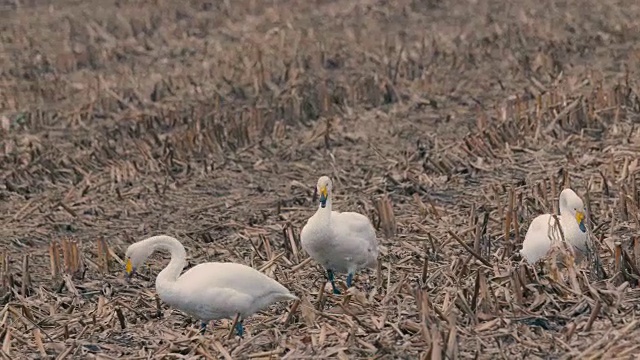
564, 211
178, 257
563, 205
325, 212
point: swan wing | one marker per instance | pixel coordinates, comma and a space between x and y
221, 290
537, 241
237, 277
355, 237
217, 303
354, 225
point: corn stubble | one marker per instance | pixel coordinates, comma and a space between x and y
208, 122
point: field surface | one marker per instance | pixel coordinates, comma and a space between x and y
451, 124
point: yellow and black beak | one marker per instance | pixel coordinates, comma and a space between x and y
323, 196
130, 269
580, 220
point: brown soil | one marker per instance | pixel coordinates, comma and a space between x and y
211, 121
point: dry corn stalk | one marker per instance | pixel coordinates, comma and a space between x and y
71, 260
387, 217
5, 277
26, 275
552, 263
103, 255
6, 344
636, 250
290, 243
54, 258
618, 257
618, 263
508, 222
556, 235
4, 263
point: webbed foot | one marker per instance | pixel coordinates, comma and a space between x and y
239, 328
333, 281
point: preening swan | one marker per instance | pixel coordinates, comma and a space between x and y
340, 242
207, 291
537, 242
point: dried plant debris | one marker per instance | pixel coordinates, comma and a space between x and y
451, 125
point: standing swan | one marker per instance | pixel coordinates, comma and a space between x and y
208, 291
538, 240
340, 242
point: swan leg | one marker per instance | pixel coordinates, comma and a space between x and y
333, 281
203, 327
239, 328
349, 279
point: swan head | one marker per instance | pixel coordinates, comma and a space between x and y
571, 204
323, 188
135, 256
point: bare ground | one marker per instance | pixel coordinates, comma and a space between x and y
211, 122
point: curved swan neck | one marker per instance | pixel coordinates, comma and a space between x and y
325, 212
178, 256
564, 205
564, 209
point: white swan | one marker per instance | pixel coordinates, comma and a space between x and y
538, 239
340, 242
207, 291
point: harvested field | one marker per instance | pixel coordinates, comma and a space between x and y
451, 124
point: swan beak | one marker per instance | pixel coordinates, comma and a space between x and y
129, 269
323, 196
580, 220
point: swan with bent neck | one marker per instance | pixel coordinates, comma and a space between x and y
208, 291
542, 231
340, 241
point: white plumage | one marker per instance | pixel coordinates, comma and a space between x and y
340, 242
207, 291
542, 231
